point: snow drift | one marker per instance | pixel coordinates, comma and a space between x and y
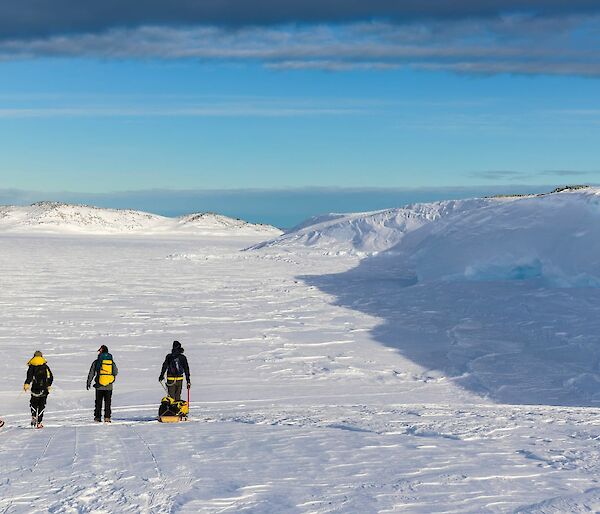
367, 233
553, 238
57, 217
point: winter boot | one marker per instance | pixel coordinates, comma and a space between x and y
33, 421
97, 420
39, 425
106, 420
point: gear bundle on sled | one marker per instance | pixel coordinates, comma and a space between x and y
172, 411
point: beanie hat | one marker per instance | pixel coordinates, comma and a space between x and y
103, 349
37, 353
176, 344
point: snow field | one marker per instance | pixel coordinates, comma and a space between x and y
329, 459
321, 384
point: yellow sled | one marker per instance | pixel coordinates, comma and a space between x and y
171, 419
172, 411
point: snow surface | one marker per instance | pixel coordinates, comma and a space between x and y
322, 382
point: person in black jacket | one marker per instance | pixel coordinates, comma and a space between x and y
175, 366
103, 371
39, 378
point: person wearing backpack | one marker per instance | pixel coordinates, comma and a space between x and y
103, 371
39, 379
175, 366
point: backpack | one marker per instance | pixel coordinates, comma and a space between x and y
41, 374
105, 370
175, 367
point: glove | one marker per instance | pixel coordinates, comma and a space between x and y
49, 388
189, 384
161, 378
87, 386
25, 387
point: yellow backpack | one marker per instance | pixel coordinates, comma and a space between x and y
105, 373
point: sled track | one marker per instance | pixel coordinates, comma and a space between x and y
145, 443
30, 469
44, 451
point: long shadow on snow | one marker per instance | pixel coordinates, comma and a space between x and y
513, 342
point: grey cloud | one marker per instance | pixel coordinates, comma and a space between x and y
500, 175
332, 65
541, 47
511, 43
568, 173
28, 19
381, 46
517, 67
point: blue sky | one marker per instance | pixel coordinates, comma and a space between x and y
295, 98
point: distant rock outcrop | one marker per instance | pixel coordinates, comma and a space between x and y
213, 221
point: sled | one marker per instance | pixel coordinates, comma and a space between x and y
172, 411
171, 419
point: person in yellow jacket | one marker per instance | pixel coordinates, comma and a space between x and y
39, 379
104, 370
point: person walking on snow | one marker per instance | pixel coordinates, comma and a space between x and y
39, 379
175, 366
104, 370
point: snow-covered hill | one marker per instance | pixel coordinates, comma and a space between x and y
54, 216
65, 218
209, 222
553, 237
367, 233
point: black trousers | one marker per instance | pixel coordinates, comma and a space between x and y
38, 405
174, 389
107, 397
